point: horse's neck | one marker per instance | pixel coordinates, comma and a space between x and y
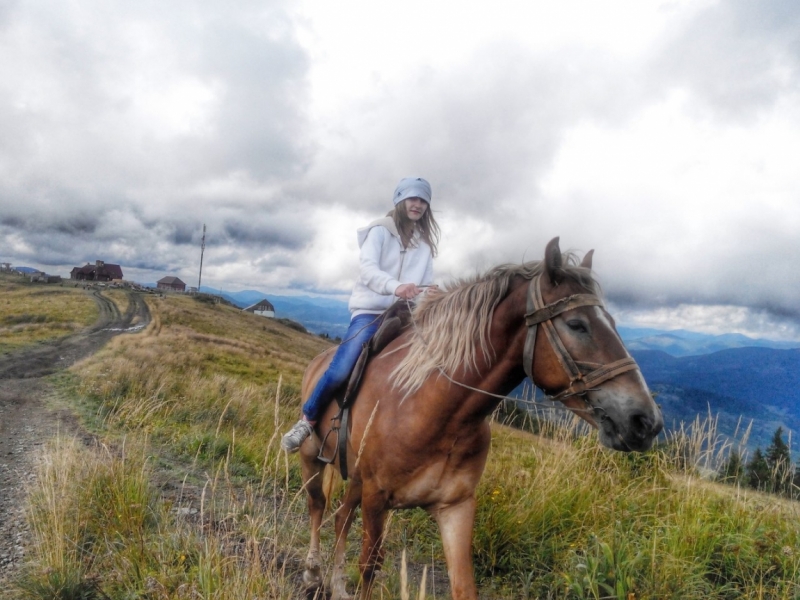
500, 371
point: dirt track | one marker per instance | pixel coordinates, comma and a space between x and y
26, 422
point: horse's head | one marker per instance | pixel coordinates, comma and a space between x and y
579, 357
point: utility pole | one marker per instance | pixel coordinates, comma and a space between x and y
202, 249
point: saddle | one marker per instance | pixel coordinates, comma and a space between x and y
396, 318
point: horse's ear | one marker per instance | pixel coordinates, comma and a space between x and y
553, 262
587, 260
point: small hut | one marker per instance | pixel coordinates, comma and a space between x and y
263, 308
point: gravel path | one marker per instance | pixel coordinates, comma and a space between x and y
27, 422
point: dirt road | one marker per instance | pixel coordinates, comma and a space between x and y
26, 422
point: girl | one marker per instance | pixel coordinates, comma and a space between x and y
396, 259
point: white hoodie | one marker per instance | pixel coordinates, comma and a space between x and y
385, 265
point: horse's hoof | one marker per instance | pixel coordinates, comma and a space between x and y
312, 578
338, 591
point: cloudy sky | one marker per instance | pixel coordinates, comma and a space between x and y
663, 134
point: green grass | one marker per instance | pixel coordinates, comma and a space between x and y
202, 396
31, 313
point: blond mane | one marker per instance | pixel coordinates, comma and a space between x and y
452, 326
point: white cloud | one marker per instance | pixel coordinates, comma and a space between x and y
712, 319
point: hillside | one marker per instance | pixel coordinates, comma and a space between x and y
316, 314
178, 490
758, 384
182, 492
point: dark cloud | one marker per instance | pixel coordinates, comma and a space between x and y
184, 234
12, 221
640, 299
264, 233
107, 88
83, 225
149, 265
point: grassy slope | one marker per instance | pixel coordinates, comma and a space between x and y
201, 397
35, 312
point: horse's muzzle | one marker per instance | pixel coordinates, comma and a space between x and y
636, 434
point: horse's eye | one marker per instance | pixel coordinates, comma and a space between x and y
577, 326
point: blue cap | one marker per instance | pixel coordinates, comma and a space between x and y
412, 187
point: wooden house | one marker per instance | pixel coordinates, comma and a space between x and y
172, 284
263, 308
100, 271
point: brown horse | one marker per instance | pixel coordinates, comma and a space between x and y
418, 429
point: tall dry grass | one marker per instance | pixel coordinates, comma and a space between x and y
203, 395
102, 529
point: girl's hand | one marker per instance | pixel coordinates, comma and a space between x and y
407, 291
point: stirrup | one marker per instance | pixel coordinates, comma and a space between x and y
320, 456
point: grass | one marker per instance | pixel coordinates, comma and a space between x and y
191, 498
31, 313
120, 298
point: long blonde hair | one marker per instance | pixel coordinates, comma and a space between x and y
427, 226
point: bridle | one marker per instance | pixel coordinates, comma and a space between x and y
539, 313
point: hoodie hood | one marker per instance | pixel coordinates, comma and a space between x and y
387, 222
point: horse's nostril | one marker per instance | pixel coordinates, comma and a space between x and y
641, 424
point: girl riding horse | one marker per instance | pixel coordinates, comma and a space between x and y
396, 258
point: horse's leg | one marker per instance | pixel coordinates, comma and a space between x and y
455, 525
312, 471
373, 514
344, 519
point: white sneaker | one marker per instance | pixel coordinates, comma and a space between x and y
292, 441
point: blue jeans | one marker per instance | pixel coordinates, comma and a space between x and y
361, 330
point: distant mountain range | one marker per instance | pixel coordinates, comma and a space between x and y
736, 378
680, 342
733, 377
761, 385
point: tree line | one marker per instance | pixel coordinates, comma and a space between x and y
769, 471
